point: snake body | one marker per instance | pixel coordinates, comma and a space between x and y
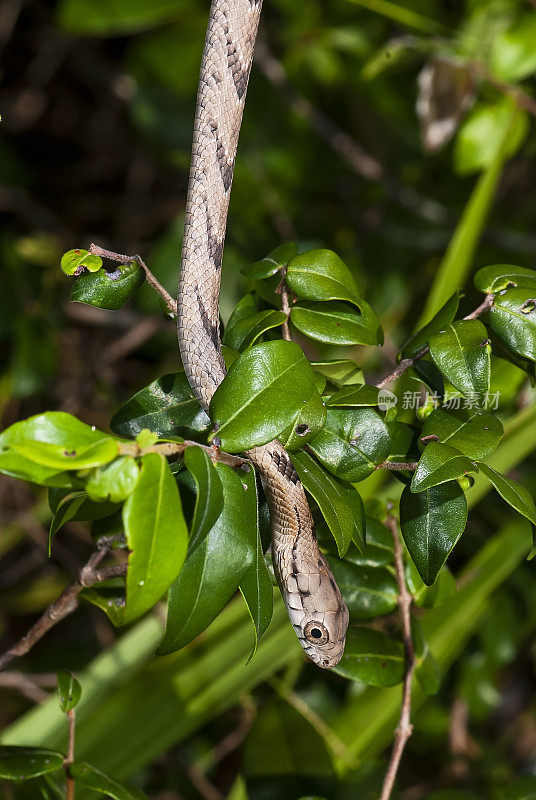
314, 602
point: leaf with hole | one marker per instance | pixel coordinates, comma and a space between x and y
75, 261
431, 522
308, 421
69, 458
497, 277
513, 318
109, 290
462, 353
351, 443
273, 375
167, 407
69, 691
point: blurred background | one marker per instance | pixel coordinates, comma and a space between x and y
369, 128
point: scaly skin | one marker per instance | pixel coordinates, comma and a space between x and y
315, 606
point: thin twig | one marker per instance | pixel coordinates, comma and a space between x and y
25, 684
404, 728
520, 98
171, 304
69, 787
398, 465
65, 604
178, 448
282, 289
406, 363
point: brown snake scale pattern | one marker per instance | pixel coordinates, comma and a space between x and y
314, 602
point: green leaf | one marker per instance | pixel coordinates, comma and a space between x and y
444, 317
272, 263
368, 591
438, 464
209, 499
309, 421
512, 55
113, 482
257, 590
378, 549
476, 433
97, 18
497, 277
77, 507
69, 691
371, 657
22, 763
75, 261
321, 275
70, 458
513, 318
431, 522
275, 376
156, 534
425, 596
462, 354
333, 500
167, 406
109, 290
146, 438
337, 323
513, 492
245, 331
482, 133
92, 778
523, 788
215, 569
340, 372
426, 667
351, 443
354, 397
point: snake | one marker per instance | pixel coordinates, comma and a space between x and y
314, 602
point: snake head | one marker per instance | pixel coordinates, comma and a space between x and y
318, 613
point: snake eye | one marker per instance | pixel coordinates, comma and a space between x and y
316, 633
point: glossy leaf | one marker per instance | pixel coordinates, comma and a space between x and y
483, 132
114, 482
77, 507
109, 290
272, 263
340, 372
321, 275
69, 691
378, 549
513, 318
497, 277
335, 322
444, 317
22, 763
369, 592
257, 590
215, 569
462, 354
209, 495
167, 406
246, 330
92, 778
156, 534
75, 261
513, 492
512, 55
332, 499
431, 522
351, 443
275, 376
308, 421
354, 397
476, 433
371, 657
69, 458
438, 464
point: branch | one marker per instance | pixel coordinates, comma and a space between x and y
66, 603
69, 785
406, 363
282, 289
171, 304
405, 728
398, 465
178, 448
